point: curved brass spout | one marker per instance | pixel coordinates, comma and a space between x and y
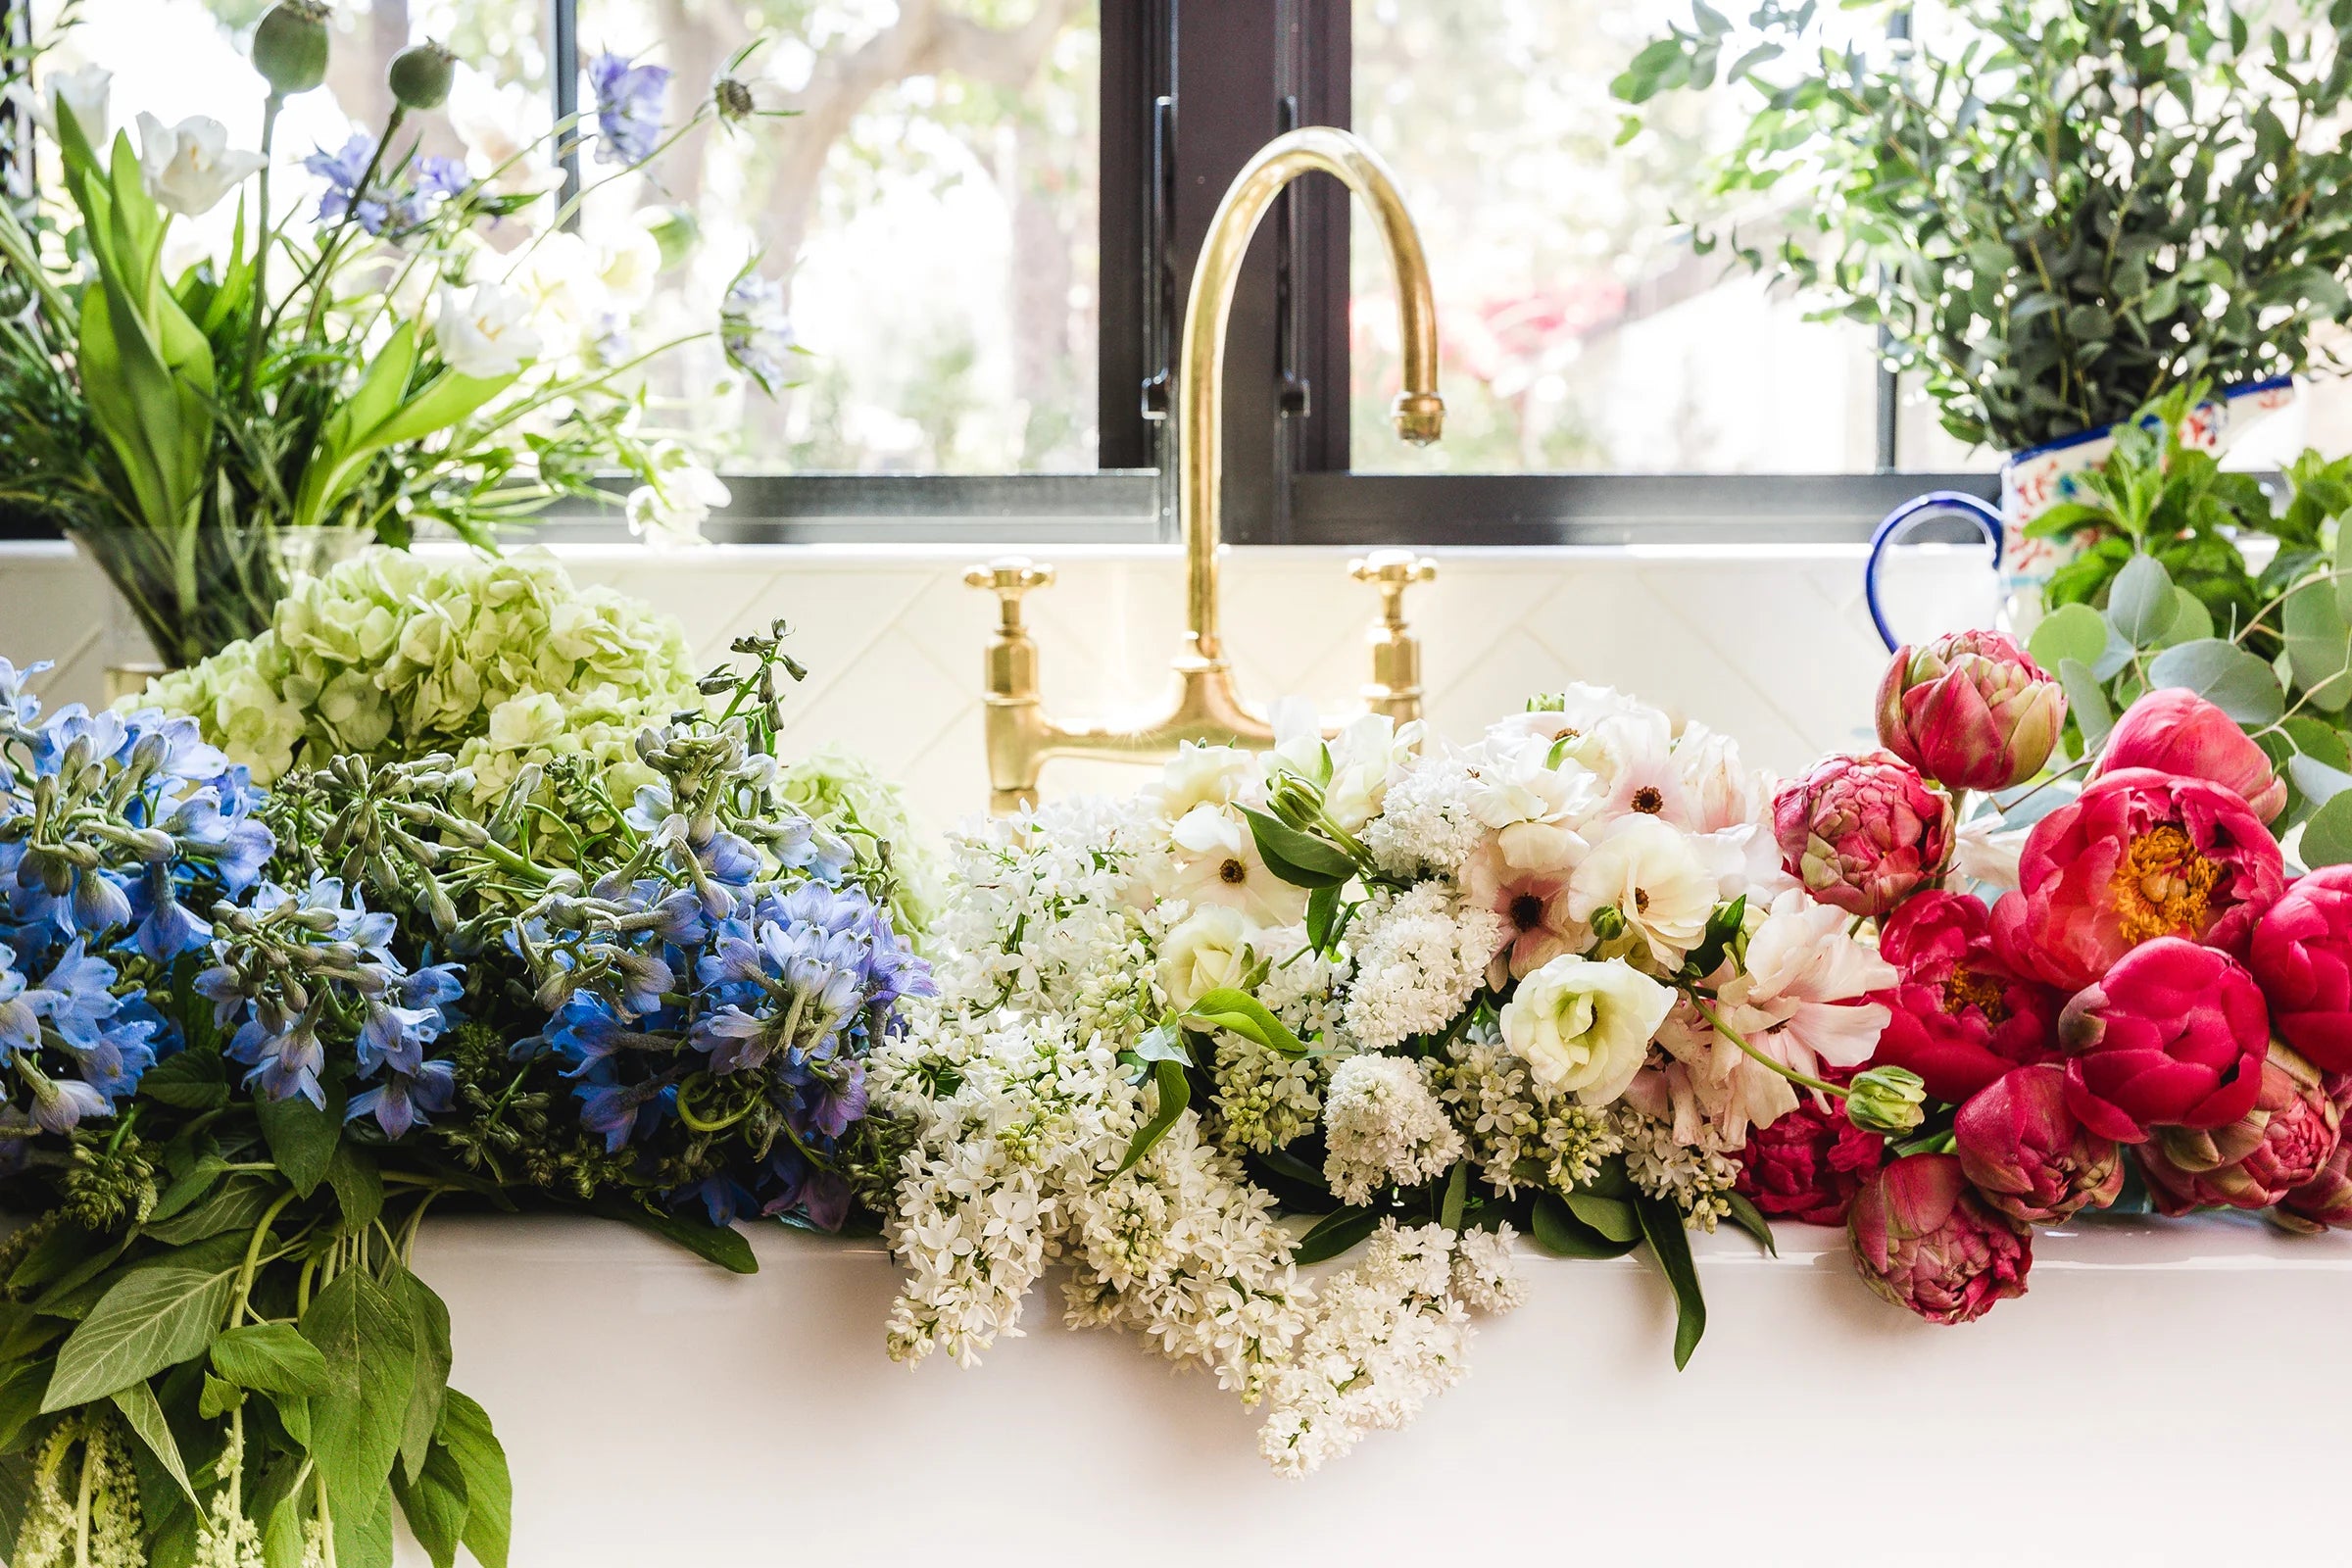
1419, 411
1206, 707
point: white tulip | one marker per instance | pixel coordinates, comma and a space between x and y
189, 166
85, 92
485, 331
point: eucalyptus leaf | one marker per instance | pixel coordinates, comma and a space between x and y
2140, 601
2319, 646
2235, 681
2087, 701
2318, 781
2070, 632
2328, 837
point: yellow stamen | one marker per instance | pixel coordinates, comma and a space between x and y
2163, 886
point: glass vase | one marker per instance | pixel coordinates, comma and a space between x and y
188, 596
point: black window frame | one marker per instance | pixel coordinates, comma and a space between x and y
1189, 91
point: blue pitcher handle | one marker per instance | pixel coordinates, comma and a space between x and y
1958, 502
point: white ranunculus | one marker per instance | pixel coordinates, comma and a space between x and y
1208, 952
1217, 862
1201, 776
189, 166
1651, 874
675, 506
1584, 1026
85, 92
485, 331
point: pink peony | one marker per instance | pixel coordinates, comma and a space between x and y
1809, 1163
1924, 1240
2255, 1160
1971, 710
2137, 856
1862, 832
2173, 1036
1962, 1015
2175, 731
2029, 1156
2301, 956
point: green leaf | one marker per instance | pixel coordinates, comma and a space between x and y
1457, 1197
2236, 682
219, 1397
237, 1205
21, 1404
489, 1492
358, 1189
1662, 1224
1335, 1233
2141, 602
1612, 1217
2070, 632
2320, 782
2319, 646
722, 1245
2327, 836
302, 1137
150, 1319
2191, 620
190, 1080
1322, 913
2087, 700
1175, 1094
1299, 858
1749, 1218
429, 1319
370, 1351
146, 1417
273, 1359
433, 1502
1244, 1015
1558, 1231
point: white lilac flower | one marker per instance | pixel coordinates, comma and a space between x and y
188, 168
1584, 1026
1217, 861
1486, 1275
1383, 1125
485, 331
1648, 873
1419, 959
1426, 823
1517, 1135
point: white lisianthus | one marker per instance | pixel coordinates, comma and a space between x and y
485, 331
1584, 1026
1208, 952
672, 509
1217, 862
188, 168
1201, 776
1649, 873
83, 93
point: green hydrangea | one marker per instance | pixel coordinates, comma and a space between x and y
502, 662
841, 788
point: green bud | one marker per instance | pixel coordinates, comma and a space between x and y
289, 46
1887, 1099
421, 75
1607, 923
1294, 801
677, 232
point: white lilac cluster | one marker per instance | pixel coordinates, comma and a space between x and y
1550, 961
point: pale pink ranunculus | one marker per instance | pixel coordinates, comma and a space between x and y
2177, 731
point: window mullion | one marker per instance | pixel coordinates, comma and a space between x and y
563, 76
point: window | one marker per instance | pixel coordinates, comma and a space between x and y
986, 214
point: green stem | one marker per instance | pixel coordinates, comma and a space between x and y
252, 1254
263, 242
1739, 1040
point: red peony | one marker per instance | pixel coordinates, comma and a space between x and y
2175, 731
2281, 1145
2173, 1036
2137, 856
1808, 1163
2301, 956
1924, 1240
2027, 1154
1961, 1015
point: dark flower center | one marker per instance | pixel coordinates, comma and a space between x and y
1527, 912
1233, 872
1640, 899
1648, 801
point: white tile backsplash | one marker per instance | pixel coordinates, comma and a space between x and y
1772, 643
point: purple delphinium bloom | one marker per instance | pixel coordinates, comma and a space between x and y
755, 331
628, 108
621, 1112
285, 1060
343, 170
402, 1100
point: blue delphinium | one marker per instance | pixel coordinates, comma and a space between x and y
343, 170
628, 108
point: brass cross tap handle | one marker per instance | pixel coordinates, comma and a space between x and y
1396, 686
1008, 577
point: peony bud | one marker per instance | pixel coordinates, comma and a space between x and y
2027, 1153
421, 75
2301, 956
2179, 733
1924, 1240
1887, 1099
1971, 710
289, 46
2279, 1145
1863, 832
2175, 1036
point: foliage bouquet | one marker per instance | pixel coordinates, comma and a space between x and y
2056, 210
1554, 984
421, 346
247, 1039
2131, 992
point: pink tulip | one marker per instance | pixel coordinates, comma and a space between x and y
1863, 832
1971, 710
2175, 731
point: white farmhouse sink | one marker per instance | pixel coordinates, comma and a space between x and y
2167, 1393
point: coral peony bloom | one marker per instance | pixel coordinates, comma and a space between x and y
2138, 854
2323, 1203
2255, 1160
2173, 1036
1970, 711
2301, 956
1809, 1163
1862, 832
1924, 1240
1962, 1013
2175, 731
2027, 1154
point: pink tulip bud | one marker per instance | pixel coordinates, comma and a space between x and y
1971, 710
2279, 1145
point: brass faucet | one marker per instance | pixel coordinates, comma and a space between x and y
1206, 708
